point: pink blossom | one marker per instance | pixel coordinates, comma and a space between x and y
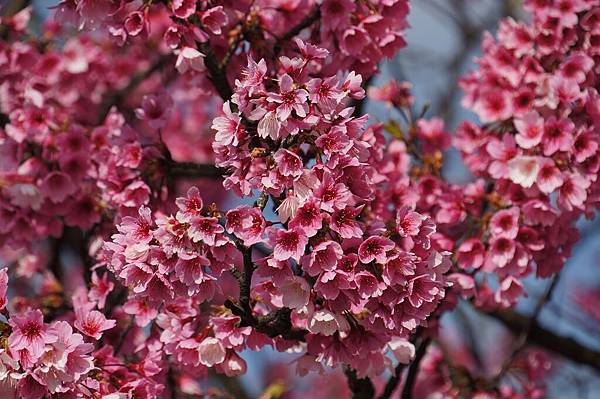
189, 59
289, 164
295, 293
326, 323
93, 324
523, 170
502, 250
234, 365
211, 352
57, 186
403, 351
229, 128
246, 223
470, 254
493, 105
337, 12
205, 229
288, 243
183, 8
530, 127
308, 218
374, 249
143, 312
135, 23
344, 222
510, 290
505, 223
213, 19
323, 257
30, 333
289, 99
558, 135
393, 92
101, 288
572, 193
155, 109
408, 222
549, 177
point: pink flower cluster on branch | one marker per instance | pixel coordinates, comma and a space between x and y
346, 243
350, 276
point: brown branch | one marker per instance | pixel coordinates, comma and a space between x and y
413, 370
274, 324
565, 347
524, 335
307, 21
216, 74
362, 388
232, 385
392, 383
191, 169
116, 97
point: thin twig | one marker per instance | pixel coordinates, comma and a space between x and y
116, 97
523, 337
307, 21
566, 347
191, 169
392, 383
413, 370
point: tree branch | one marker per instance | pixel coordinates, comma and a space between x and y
413, 370
232, 385
274, 324
307, 21
217, 75
116, 97
191, 169
524, 335
392, 383
362, 388
565, 347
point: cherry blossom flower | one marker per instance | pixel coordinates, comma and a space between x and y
93, 323
30, 334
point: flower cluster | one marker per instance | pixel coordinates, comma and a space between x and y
351, 275
57, 171
536, 86
358, 34
347, 242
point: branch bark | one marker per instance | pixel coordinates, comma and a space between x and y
307, 21
190, 169
274, 324
392, 383
565, 347
413, 370
362, 388
116, 97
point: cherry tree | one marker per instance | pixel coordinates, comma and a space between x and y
185, 182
